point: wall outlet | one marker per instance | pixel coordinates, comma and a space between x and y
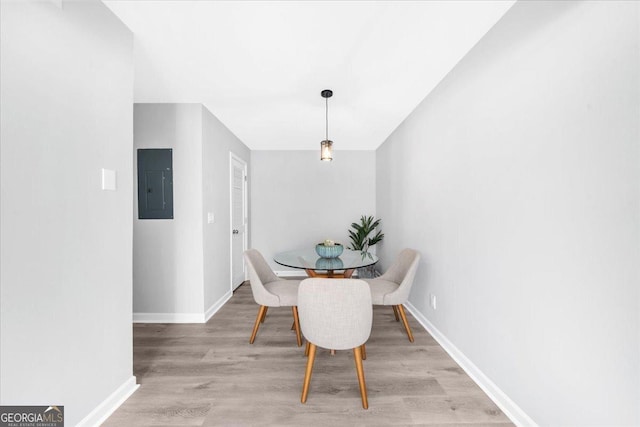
210, 218
433, 301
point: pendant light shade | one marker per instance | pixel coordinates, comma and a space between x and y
326, 146
325, 150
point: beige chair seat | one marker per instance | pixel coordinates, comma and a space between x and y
335, 314
394, 286
380, 289
270, 291
285, 290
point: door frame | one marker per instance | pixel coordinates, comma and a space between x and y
245, 192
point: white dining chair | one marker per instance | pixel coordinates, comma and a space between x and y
270, 291
394, 286
335, 314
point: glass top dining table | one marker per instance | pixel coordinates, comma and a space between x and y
316, 266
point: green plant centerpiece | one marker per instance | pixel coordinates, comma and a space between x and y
361, 241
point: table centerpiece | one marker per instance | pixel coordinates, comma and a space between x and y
329, 249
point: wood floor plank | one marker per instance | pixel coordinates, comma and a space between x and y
209, 375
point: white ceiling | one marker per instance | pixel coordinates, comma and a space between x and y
259, 66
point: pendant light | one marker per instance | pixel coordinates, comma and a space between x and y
326, 145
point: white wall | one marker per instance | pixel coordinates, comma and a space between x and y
66, 84
167, 253
518, 180
298, 200
217, 142
181, 266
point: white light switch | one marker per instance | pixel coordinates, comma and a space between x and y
210, 218
108, 179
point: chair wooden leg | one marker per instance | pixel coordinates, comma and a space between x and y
364, 352
306, 349
296, 323
264, 315
261, 312
357, 355
404, 322
307, 373
395, 312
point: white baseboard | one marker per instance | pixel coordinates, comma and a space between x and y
182, 317
508, 406
299, 273
168, 317
290, 273
217, 306
110, 404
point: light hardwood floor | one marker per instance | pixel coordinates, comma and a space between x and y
209, 375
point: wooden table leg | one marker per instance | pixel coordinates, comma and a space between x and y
311, 273
331, 274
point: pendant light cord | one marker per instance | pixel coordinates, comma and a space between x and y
326, 117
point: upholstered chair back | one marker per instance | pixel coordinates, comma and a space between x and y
335, 313
260, 274
402, 272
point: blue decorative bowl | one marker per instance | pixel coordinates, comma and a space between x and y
329, 264
329, 251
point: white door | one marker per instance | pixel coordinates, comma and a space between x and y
238, 174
